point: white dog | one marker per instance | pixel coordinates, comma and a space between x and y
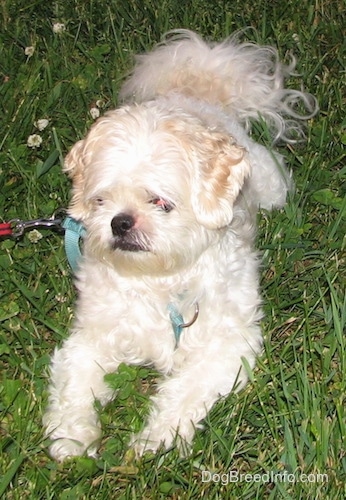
167, 188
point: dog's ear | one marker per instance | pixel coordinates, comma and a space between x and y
74, 166
223, 169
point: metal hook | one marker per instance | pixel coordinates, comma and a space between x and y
186, 325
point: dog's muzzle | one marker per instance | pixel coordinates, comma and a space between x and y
125, 233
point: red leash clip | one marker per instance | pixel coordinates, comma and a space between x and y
16, 227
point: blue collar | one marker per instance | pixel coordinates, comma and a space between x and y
74, 231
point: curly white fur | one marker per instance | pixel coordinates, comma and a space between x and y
167, 187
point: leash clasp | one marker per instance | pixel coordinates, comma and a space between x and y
18, 226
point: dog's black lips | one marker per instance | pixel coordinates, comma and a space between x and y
127, 246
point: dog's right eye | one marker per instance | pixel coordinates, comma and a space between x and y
99, 201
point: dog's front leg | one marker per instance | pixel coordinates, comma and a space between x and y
77, 379
185, 398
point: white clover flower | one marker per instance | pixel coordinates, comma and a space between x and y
59, 27
61, 298
34, 141
95, 113
34, 236
14, 326
28, 51
41, 124
100, 103
296, 37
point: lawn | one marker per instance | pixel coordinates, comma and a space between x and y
62, 63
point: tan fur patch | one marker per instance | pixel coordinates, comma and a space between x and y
221, 169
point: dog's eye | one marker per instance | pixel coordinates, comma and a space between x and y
165, 205
99, 201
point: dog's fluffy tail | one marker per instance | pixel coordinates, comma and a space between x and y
247, 80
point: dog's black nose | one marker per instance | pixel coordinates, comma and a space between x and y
121, 224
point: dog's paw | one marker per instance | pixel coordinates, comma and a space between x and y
71, 435
150, 441
64, 448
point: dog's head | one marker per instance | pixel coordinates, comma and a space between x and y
154, 188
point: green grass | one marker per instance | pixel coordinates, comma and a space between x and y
291, 417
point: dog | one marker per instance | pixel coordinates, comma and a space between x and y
168, 187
